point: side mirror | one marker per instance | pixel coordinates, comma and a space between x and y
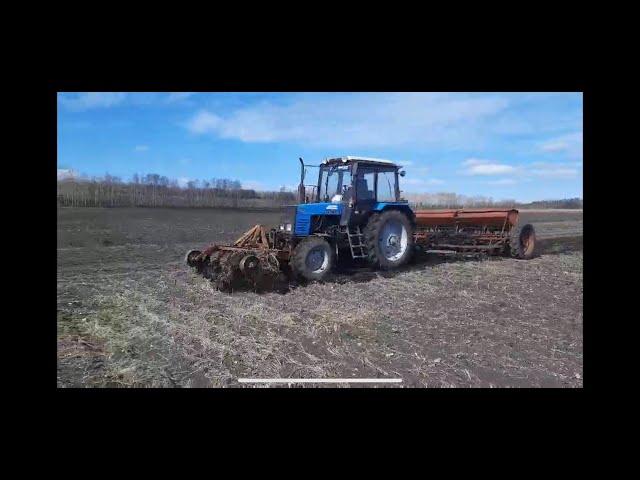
402, 173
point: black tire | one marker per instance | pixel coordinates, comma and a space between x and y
372, 233
522, 244
304, 265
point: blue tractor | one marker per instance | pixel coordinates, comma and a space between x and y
355, 209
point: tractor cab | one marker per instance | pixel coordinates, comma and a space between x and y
348, 190
354, 179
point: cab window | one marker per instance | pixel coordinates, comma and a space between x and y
386, 188
334, 183
365, 185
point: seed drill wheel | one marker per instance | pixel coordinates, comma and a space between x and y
389, 239
523, 242
312, 258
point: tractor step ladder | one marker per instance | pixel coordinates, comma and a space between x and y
356, 244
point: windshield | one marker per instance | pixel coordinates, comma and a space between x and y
334, 182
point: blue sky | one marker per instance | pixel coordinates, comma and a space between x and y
524, 146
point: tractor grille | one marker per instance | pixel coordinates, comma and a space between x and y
289, 215
302, 225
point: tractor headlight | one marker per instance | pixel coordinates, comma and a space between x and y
286, 227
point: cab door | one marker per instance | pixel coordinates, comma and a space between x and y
361, 196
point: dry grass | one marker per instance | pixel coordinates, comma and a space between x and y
491, 323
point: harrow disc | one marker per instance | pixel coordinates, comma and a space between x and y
248, 262
250, 265
191, 257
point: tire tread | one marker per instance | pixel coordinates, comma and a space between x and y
372, 232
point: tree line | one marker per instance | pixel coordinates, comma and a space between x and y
153, 190
568, 203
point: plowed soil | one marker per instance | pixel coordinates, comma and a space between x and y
132, 314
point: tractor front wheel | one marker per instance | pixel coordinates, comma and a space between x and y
313, 258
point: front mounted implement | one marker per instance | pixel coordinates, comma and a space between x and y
251, 261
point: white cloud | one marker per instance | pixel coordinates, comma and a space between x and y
182, 181
67, 174
502, 181
571, 145
491, 169
89, 100
475, 161
176, 97
555, 172
417, 170
204, 122
356, 120
478, 166
78, 102
141, 148
554, 146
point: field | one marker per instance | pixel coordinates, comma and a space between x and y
131, 314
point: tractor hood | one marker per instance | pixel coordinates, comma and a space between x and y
305, 211
324, 208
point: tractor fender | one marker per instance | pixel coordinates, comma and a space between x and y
402, 207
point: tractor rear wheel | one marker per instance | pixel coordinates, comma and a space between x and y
522, 244
313, 258
389, 239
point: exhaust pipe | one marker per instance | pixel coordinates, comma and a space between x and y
301, 189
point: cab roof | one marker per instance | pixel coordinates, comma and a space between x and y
350, 158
